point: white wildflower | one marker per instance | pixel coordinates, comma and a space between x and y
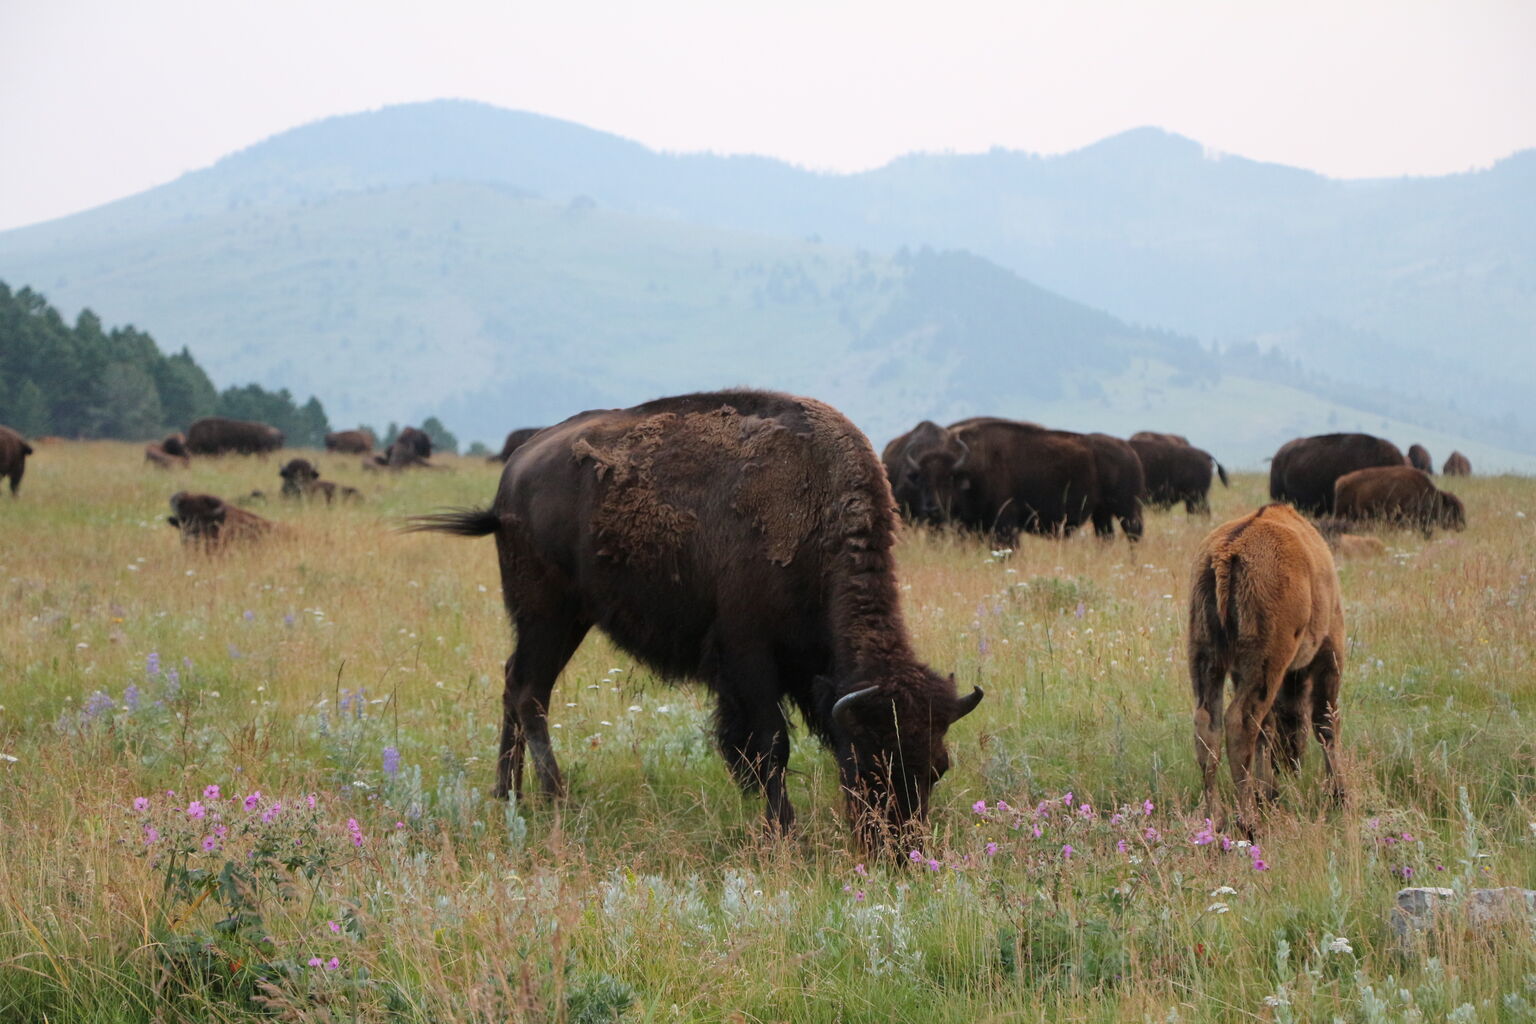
1339, 944
1217, 908
1225, 890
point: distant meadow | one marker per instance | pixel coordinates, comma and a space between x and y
255, 786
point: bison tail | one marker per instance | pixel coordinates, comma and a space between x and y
461, 522
1226, 572
1221, 472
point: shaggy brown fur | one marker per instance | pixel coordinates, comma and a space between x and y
1264, 606
739, 538
302, 480
350, 442
515, 440
1303, 470
216, 435
211, 523
13, 457
1399, 496
1457, 464
1418, 458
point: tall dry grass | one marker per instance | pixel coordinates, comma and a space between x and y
361, 667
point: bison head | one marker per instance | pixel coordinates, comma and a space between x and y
933, 477
1452, 514
890, 740
197, 516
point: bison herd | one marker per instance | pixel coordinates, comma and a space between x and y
743, 539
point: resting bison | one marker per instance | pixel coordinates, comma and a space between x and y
169, 453
211, 523
1264, 606
1418, 458
1398, 495
1457, 464
350, 442
13, 456
997, 476
1335, 531
1303, 470
302, 480
515, 440
740, 538
217, 436
1152, 435
411, 447
1177, 472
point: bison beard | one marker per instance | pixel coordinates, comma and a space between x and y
1264, 606
738, 538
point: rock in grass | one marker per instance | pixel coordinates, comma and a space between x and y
1419, 907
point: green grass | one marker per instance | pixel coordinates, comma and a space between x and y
651, 894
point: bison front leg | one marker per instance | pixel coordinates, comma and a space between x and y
754, 737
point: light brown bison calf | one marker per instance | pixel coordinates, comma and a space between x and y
302, 480
1457, 464
1398, 495
210, 522
1264, 606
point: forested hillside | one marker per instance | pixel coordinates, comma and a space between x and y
87, 381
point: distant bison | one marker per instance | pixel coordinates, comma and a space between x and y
1304, 470
350, 442
740, 538
1457, 464
302, 480
1398, 495
1121, 484
1418, 458
1177, 472
1152, 435
515, 440
1264, 606
218, 436
1335, 531
13, 456
411, 447
211, 523
996, 476
170, 453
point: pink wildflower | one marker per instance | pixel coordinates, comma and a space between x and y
195, 809
860, 870
141, 804
211, 793
151, 835
335, 928
1121, 846
315, 961
933, 865
1205, 836
991, 849
915, 857
980, 807
1147, 807
253, 801
356, 830
333, 963
1066, 852
210, 843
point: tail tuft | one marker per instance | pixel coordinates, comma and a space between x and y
461, 522
1221, 472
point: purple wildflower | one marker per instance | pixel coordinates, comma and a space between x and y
979, 807
933, 865
211, 792
915, 857
391, 761
195, 809
1407, 872
315, 961
1066, 851
1152, 835
1205, 836
272, 812
151, 835
335, 928
131, 697
98, 704
1121, 846
860, 870
141, 804
991, 849
249, 616
253, 801
152, 664
1259, 864
356, 831
1147, 807
210, 843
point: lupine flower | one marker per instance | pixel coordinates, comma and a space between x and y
152, 664
98, 703
131, 697
391, 761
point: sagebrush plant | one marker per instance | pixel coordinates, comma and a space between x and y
1067, 875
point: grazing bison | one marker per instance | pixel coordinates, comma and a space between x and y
215, 435
1121, 484
1398, 495
998, 476
515, 440
350, 442
1152, 435
1177, 472
211, 523
1303, 470
739, 538
1264, 606
302, 480
13, 456
1418, 458
1457, 464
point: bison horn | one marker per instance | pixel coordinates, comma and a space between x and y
965, 705
965, 450
842, 711
911, 461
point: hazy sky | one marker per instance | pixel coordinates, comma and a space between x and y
101, 98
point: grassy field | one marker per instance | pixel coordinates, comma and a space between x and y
256, 786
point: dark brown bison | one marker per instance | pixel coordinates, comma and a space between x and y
997, 476
739, 538
1121, 484
1457, 464
1177, 472
411, 447
302, 480
350, 442
1264, 606
1304, 470
1399, 496
211, 523
13, 456
515, 440
1152, 435
1418, 458
170, 453
218, 436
